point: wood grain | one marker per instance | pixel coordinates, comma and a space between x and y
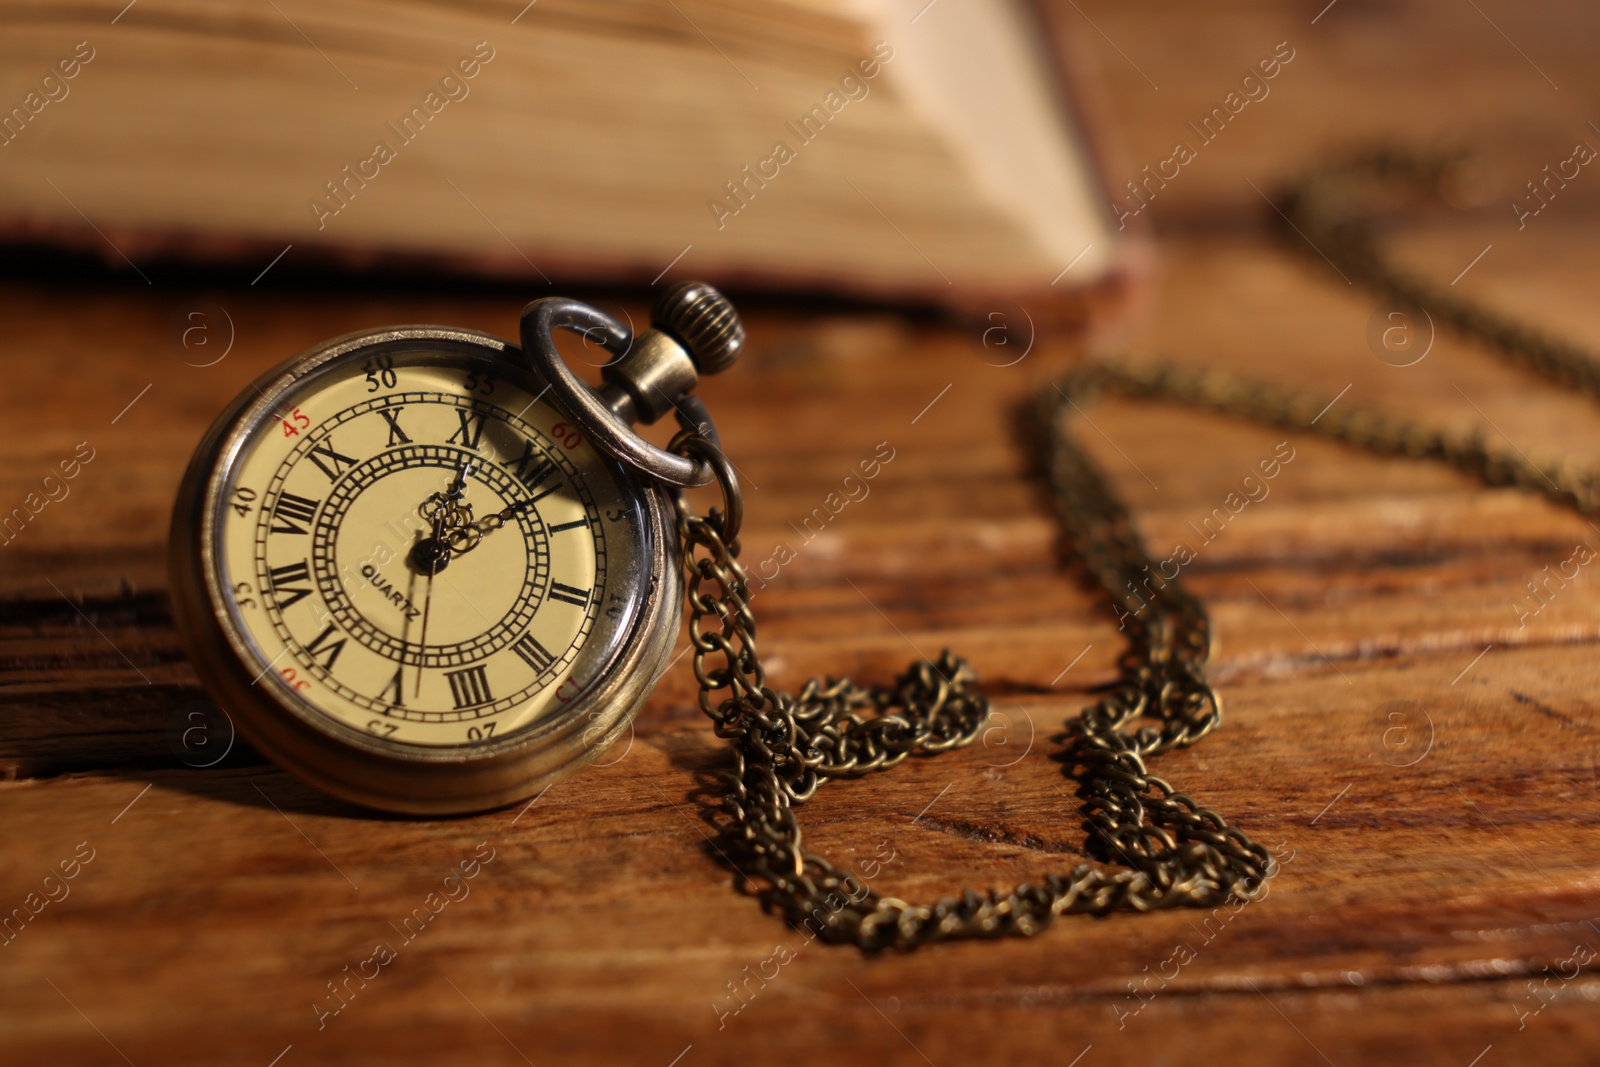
1441, 879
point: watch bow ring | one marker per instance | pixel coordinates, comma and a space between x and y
696, 331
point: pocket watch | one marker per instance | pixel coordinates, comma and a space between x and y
429, 571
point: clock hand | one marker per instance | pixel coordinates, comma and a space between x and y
411, 593
444, 505
459, 486
467, 536
436, 552
444, 514
511, 510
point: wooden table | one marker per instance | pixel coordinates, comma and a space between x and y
1423, 753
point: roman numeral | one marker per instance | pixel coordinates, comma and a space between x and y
470, 433
569, 594
281, 577
335, 463
546, 491
570, 525
290, 511
469, 687
394, 687
397, 436
533, 653
531, 470
331, 649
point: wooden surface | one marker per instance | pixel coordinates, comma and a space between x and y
1441, 867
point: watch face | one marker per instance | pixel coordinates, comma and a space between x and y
412, 542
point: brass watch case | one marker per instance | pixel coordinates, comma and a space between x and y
351, 763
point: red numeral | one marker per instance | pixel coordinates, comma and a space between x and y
299, 417
566, 435
293, 679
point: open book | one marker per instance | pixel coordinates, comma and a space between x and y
914, 150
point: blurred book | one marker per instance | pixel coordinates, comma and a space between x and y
924, 151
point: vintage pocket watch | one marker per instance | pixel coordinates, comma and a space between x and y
431, 572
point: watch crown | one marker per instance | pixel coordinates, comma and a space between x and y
704, 322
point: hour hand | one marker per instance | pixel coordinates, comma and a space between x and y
464, 538
510, 511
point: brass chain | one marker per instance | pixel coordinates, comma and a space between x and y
1173, 851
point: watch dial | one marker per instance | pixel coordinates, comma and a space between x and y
419, 547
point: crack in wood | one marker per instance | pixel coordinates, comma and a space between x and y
995, 833
1550, 713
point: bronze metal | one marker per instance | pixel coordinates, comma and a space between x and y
350, 763
1173, 851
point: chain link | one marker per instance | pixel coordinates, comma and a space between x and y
1172, 851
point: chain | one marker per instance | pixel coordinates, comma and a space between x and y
1329, 208
1172, 851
